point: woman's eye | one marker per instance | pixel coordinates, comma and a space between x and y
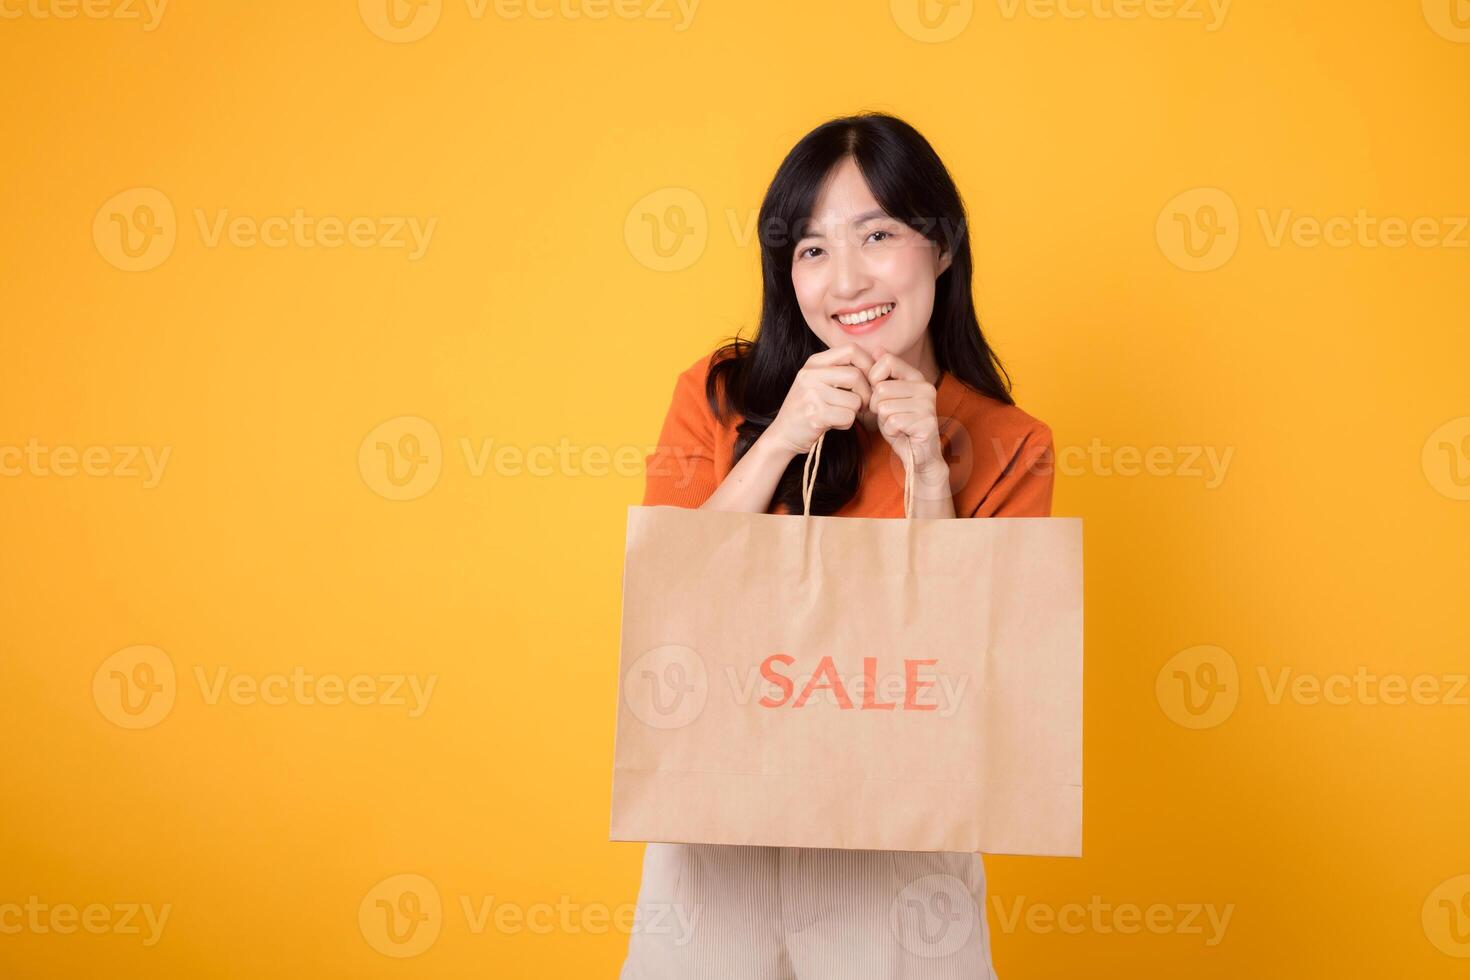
808, 249
886, 234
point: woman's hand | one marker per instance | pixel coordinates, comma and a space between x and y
903, 403
827, 393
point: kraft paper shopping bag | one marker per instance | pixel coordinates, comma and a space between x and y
846, 682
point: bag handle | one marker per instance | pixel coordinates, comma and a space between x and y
814, 460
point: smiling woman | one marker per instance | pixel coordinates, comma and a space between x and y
851, 248
866, 317
869, 342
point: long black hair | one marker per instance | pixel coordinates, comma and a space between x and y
911, 183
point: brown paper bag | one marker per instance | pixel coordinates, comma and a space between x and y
911, 685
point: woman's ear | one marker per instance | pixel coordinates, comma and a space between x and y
944, 261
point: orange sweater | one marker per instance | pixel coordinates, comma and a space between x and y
1001, 460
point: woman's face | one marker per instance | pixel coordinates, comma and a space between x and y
854, 262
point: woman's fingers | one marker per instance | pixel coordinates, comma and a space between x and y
900, 390
846, 354
843, 398
907, 416
828, 407
887, 365
891, 397
828, 392
839, 416
831, 389
898, 423
836, 408
848, 377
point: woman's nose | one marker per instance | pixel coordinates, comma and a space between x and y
849, 274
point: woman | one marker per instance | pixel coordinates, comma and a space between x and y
868, 339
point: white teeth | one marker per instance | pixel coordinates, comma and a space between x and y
853, 319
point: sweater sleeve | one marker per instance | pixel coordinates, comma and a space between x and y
1025, 485
681, 469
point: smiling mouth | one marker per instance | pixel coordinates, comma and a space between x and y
861, 321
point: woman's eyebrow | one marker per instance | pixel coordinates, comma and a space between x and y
870, 216
809, 230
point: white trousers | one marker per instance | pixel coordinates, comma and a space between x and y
796, 913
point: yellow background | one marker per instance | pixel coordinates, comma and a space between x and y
1337, 539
